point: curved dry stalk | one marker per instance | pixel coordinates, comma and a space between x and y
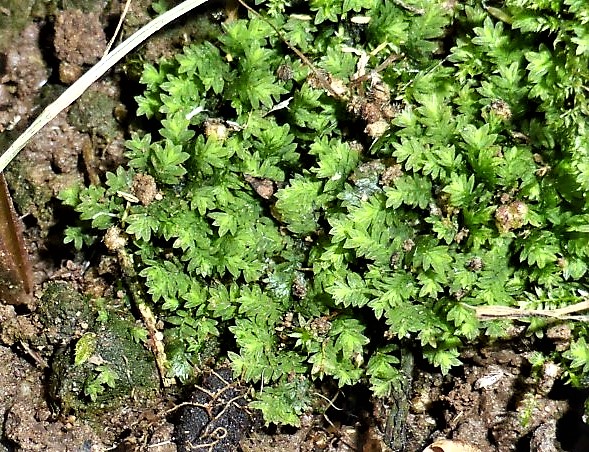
118, 29
84, 82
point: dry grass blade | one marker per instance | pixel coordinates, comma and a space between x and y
118, 29
84, 82
16, 282
505, 312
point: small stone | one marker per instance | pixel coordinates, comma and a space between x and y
377, 129
114, 240
69, 73
216, 130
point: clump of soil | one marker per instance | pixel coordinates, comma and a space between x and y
79, 40
496, 402
23, 72
29, 423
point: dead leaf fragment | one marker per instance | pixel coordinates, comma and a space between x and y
16, 281
263, 187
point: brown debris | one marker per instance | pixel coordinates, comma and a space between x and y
145, 189
511, 216
375, 108
263, 187
447, 445
284, 72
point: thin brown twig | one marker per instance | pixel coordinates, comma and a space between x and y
227, 404
181, 405
381, 67
316, 72
210, 446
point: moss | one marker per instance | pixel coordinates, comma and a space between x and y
14, 16
323, 217
64, 313
75, 382
70, 385
93, 112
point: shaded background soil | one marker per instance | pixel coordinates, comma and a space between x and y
497, 402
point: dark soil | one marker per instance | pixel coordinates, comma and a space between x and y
496, 402
216, 416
